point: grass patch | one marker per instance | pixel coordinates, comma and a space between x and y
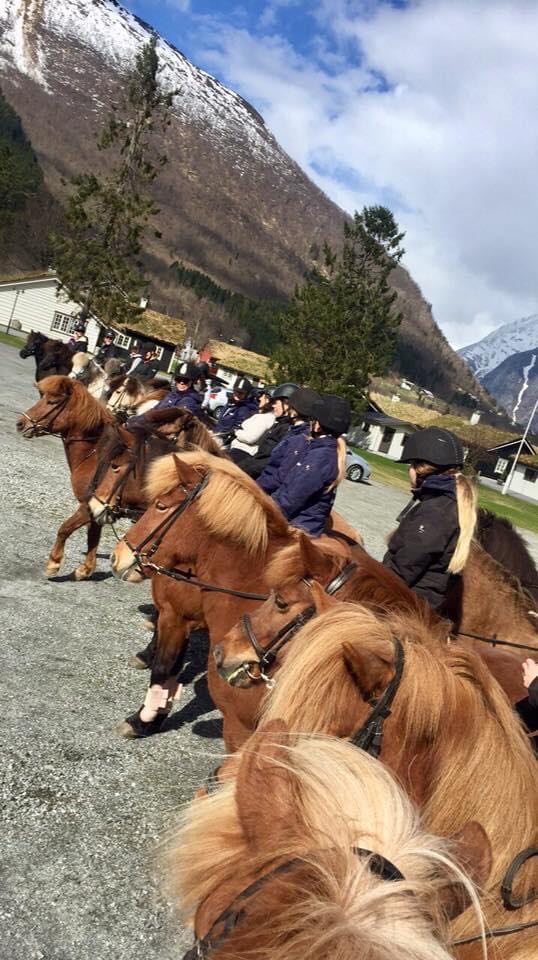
519, 512
11, 341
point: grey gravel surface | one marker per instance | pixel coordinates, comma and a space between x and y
81, 809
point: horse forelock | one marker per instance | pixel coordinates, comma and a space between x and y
331, 904
231, 505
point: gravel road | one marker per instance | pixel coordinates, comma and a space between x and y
82, 810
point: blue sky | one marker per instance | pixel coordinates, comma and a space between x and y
428, 106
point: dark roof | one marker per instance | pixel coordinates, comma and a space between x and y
382, 420
528, 447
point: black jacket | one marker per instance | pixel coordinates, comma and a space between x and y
421, 548
528, 708
106, 352
146, 370
255, 465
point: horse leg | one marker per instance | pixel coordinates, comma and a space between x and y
87, 567
169, 653
144, 658
78, 519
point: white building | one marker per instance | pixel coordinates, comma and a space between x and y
33, 301
387, 434
525, 478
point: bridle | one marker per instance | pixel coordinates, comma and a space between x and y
369, 736
232, 915
268, 654
58, 406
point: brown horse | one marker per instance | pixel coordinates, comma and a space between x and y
501, 539
51, 356
128, 395
66, 409
449, 735
209, 516
312, 850
490, 600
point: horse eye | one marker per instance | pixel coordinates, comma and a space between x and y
280, 602
115, 467
160, 505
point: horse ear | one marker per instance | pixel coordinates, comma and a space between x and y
264, 787
370, 671
472, 852
322, 601
317, 564
186, 474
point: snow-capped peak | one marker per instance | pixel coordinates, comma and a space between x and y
515, 337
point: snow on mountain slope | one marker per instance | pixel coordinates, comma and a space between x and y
514, 383
518, 336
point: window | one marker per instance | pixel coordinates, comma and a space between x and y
159, 352
501, 465
63, 322
530, 475
122, 340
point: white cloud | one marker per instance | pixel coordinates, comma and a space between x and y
452, 141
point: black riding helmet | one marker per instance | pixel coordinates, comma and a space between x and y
333, 414
433, 445
79, 327
303, 401
186, 371
284, 391
242, 385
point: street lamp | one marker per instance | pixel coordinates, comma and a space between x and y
508, 480
12, 314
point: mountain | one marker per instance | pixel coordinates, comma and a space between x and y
233, 204
512, 338
514, 384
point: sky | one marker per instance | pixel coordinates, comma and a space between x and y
427, 106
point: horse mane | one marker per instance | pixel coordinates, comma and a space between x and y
331, 904
504, 543
231, 506
87, 412
113, 442
505, 581
195, 433
447, 700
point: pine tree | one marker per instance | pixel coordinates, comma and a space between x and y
342, 324
20, 173
98, 260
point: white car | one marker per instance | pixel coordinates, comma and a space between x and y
215, 399
357, 468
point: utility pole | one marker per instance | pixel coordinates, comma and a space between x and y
508, 480
12, 314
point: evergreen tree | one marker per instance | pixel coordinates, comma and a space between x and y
98, 259
20, 173
342, 324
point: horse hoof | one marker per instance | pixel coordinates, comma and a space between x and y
148, 624
138, 663
82, 573
51, 569
125, 730
134, 728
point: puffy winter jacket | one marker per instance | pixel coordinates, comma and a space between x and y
300, 483
292, 445
188, 399
251, 431
421, 548
146, 370
254, 466
233, 415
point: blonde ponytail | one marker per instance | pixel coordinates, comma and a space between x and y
341, 450
467, 516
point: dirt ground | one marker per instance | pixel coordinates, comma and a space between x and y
82, 810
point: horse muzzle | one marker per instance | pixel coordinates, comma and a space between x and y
101, 511
238, 673
124, 564
26, 427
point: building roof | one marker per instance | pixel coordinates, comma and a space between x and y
237, 358
514, 442
476, 434
409, 412
385, 421
29, 275
527, 461
157, 326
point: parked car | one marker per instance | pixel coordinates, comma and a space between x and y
215, 399
357, 468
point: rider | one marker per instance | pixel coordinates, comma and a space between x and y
78, 343
240, 406
149, 367
255, 465
432, 541
304, 485
107, 350
183, 395
301, 410
248, 435
135, 357
527, 709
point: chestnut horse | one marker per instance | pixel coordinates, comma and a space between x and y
313, 850
492, 605
209, 516
501, 539
449, 735
66, 409
51, 356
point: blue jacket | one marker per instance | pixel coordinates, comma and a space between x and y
290, 445
234, 413
301, 480
188, 399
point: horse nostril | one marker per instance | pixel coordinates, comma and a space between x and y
218, 655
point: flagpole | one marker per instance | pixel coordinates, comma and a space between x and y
508, 480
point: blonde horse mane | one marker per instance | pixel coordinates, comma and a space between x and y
88, 413
231, 506
447, 700
334, 905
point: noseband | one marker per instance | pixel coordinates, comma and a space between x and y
162, 528
227, 921
57, 407
267, 655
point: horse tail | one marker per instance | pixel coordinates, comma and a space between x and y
467, 517
340, 463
